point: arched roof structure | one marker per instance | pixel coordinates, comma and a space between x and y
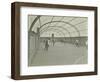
61, 26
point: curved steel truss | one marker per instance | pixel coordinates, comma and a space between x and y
48, 25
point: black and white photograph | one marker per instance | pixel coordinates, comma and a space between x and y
50, 40
57, 40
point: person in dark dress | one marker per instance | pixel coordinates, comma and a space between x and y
46, 45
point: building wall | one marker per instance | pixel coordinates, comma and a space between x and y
33, 45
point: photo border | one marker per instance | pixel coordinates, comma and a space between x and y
15, 39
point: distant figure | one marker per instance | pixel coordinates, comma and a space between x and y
53, 41
46, 45
77, 42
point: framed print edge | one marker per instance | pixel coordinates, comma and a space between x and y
96, 40
15, 40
